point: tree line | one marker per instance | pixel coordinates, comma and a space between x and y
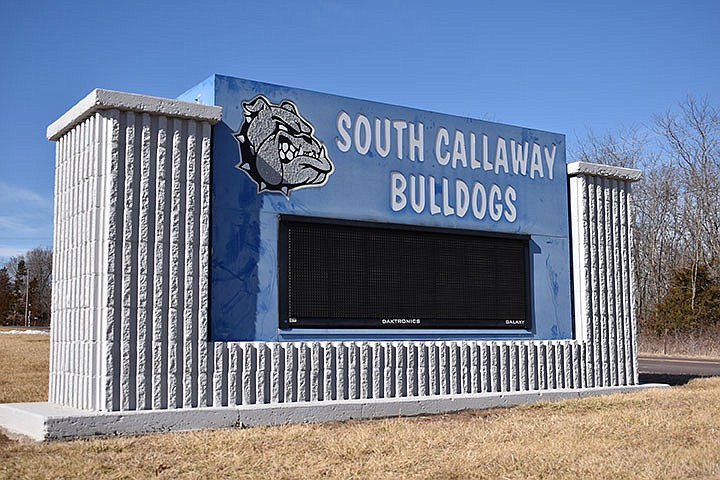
676, 213
26, 288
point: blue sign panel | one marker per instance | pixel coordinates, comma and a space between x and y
281, 152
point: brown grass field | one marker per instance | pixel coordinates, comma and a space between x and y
693, 344
24, 369
669, 433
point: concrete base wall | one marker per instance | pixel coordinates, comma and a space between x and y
298, 372
48, 421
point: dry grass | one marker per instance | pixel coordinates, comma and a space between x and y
668, 433
24, 369
652, 434
692, 344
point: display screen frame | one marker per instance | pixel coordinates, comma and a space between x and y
287, 323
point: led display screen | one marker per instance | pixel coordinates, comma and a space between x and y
343, 274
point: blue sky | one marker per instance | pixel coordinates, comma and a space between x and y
560, 66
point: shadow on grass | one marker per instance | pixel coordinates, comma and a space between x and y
670, 379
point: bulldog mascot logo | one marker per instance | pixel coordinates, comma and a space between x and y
278, 149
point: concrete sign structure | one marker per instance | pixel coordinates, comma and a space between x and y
284, 255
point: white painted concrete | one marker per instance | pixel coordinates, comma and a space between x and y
48, 421
131, 253
603, 274
101, 99
607, 171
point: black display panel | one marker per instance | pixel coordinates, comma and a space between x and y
337, 274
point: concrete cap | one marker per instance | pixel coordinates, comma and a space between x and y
608, 171
100, 99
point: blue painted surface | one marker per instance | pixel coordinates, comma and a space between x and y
244, 237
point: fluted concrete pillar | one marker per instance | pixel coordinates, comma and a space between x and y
131, 252
603, 271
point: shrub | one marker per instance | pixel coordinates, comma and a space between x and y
692, 302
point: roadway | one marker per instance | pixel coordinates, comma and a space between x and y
676, 370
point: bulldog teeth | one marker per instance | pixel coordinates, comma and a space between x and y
289, 151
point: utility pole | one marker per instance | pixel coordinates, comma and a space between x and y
27, 296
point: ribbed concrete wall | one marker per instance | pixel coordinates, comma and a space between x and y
131, 254
131, 287
283, 372
604, 283
78, 246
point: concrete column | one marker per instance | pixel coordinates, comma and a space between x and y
132, 189
603, 273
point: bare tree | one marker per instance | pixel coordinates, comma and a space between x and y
32, 276
625, 148
677, 204
658, 234
692, 146
39, 265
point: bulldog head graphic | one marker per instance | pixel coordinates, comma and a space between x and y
278, 149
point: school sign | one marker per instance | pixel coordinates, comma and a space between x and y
256, 254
